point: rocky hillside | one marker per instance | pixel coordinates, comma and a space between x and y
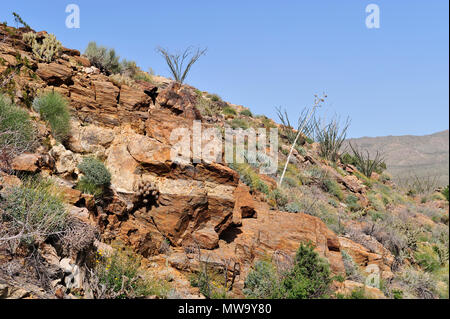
161, 229
412, 155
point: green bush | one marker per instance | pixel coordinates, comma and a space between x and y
293, 207
246, 113
445, 192
280, 198
214, 97
32, 212
17, 133
309, 279
54, 109
104, 59
428, 257
239, 123
210, 282
229, 111
121, 276
353, 203
249, 177
261, 282
332, 187
95, 176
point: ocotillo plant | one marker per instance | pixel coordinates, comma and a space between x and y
318, 100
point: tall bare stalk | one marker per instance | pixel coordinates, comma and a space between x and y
317, 103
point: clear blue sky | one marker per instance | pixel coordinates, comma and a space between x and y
261, 54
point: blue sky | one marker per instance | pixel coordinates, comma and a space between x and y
262, 54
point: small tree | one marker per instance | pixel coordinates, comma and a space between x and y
177, 62
104, 59
310, 278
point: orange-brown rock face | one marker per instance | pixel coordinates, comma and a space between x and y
201, 204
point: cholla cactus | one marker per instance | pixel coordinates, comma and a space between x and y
47, 50
29, 38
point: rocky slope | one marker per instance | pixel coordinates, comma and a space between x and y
196, 214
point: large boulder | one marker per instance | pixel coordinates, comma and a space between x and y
54, 73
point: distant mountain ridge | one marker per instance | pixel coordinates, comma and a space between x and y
426, 155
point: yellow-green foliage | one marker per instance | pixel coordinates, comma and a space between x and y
375, 201
46, 50
54, 109
121, 79
251, 178
32, 211
228, 110
332, 187
239, 123
122, 276
17, 133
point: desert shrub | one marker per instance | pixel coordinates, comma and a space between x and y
128, 68
419, 185
376, 202
78, 236
358, 293
261, 282
239, 123
293, 207
309, 278
301, 150
366, 181
228, 110
397, 293
214, 97
430, 257
421, 283
95, 176
397, 234
375, 215
246, 112
211, 281
267, 123
47, 49
445, 192
121, 276
143, 76
53, 108
17, 133
353, 203
280, 198
290, 181
95, 171
366, 163
351, 268
32, 212
104, 59
249, 177
331, 136
332, 187
121, 79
